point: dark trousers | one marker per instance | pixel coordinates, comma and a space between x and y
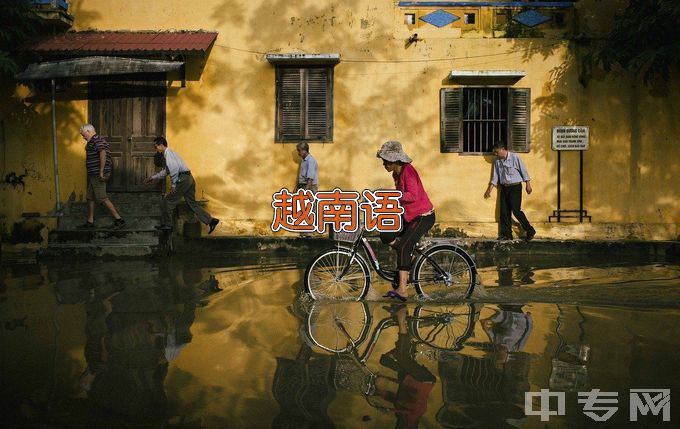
408, 238
186, 187
511, 203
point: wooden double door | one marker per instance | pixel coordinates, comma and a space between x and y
130, 115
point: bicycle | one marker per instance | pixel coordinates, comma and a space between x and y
342, 272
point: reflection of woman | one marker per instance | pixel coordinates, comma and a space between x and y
418, 215
415, 382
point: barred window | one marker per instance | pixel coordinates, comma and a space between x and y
473, 118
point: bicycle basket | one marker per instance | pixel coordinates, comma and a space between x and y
350, 376
347, 237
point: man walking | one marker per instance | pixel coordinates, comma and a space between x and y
98, 165
182, 184
508, 173
308, 178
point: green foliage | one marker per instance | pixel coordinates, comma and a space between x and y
645, 39
17, 24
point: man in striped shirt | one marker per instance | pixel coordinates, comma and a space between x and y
98, 165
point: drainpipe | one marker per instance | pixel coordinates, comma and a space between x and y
57, 210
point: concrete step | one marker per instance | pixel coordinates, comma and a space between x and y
146, 237
127, 203
72, 250
125, 209
134, 197
70, 223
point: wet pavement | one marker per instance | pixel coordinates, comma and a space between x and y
230, 343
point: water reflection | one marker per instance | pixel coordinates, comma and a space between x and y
146, 344
132, 335
136, 323
400, 384
568, 365
488, 389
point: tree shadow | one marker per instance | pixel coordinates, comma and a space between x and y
629, 126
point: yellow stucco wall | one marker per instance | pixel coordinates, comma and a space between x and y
223, 123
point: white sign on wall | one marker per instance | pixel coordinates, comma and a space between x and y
570, 138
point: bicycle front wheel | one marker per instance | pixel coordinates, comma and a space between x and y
445, 272
338, 326
337, 274
445, 327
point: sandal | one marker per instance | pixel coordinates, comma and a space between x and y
393, 308
393, 294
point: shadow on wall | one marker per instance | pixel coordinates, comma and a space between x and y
306, 28
84, 17
626, 131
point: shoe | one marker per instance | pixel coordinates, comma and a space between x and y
504, 238
87, 225
531, 235
393, 308
163, 227
393, 294
213, 223
118, 223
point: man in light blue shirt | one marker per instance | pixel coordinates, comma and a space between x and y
182, 184
308, 177
508, 174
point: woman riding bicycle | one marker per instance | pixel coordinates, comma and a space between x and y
418, 215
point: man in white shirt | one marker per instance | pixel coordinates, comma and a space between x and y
508, 174
182, 185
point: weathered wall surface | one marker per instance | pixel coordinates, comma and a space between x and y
223, 122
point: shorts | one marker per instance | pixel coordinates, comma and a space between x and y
96, 188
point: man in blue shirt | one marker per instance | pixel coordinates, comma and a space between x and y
308, 178
508, 174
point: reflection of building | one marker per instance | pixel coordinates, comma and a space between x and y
133, 332
301, 387
478, 392
489, 390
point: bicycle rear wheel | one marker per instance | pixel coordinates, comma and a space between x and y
444, 327
336, 274
338, 326
445, 272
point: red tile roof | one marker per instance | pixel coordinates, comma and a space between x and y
109, 42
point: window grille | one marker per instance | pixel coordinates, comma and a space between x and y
485, 118
474, 118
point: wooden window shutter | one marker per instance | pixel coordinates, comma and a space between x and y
520, 119
304, 99
451, 118
289, 104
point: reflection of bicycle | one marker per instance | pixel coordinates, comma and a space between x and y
340, 327
439, 270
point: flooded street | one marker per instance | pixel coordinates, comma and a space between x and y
230, 343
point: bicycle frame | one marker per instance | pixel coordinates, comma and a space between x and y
389, 275
382, 325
